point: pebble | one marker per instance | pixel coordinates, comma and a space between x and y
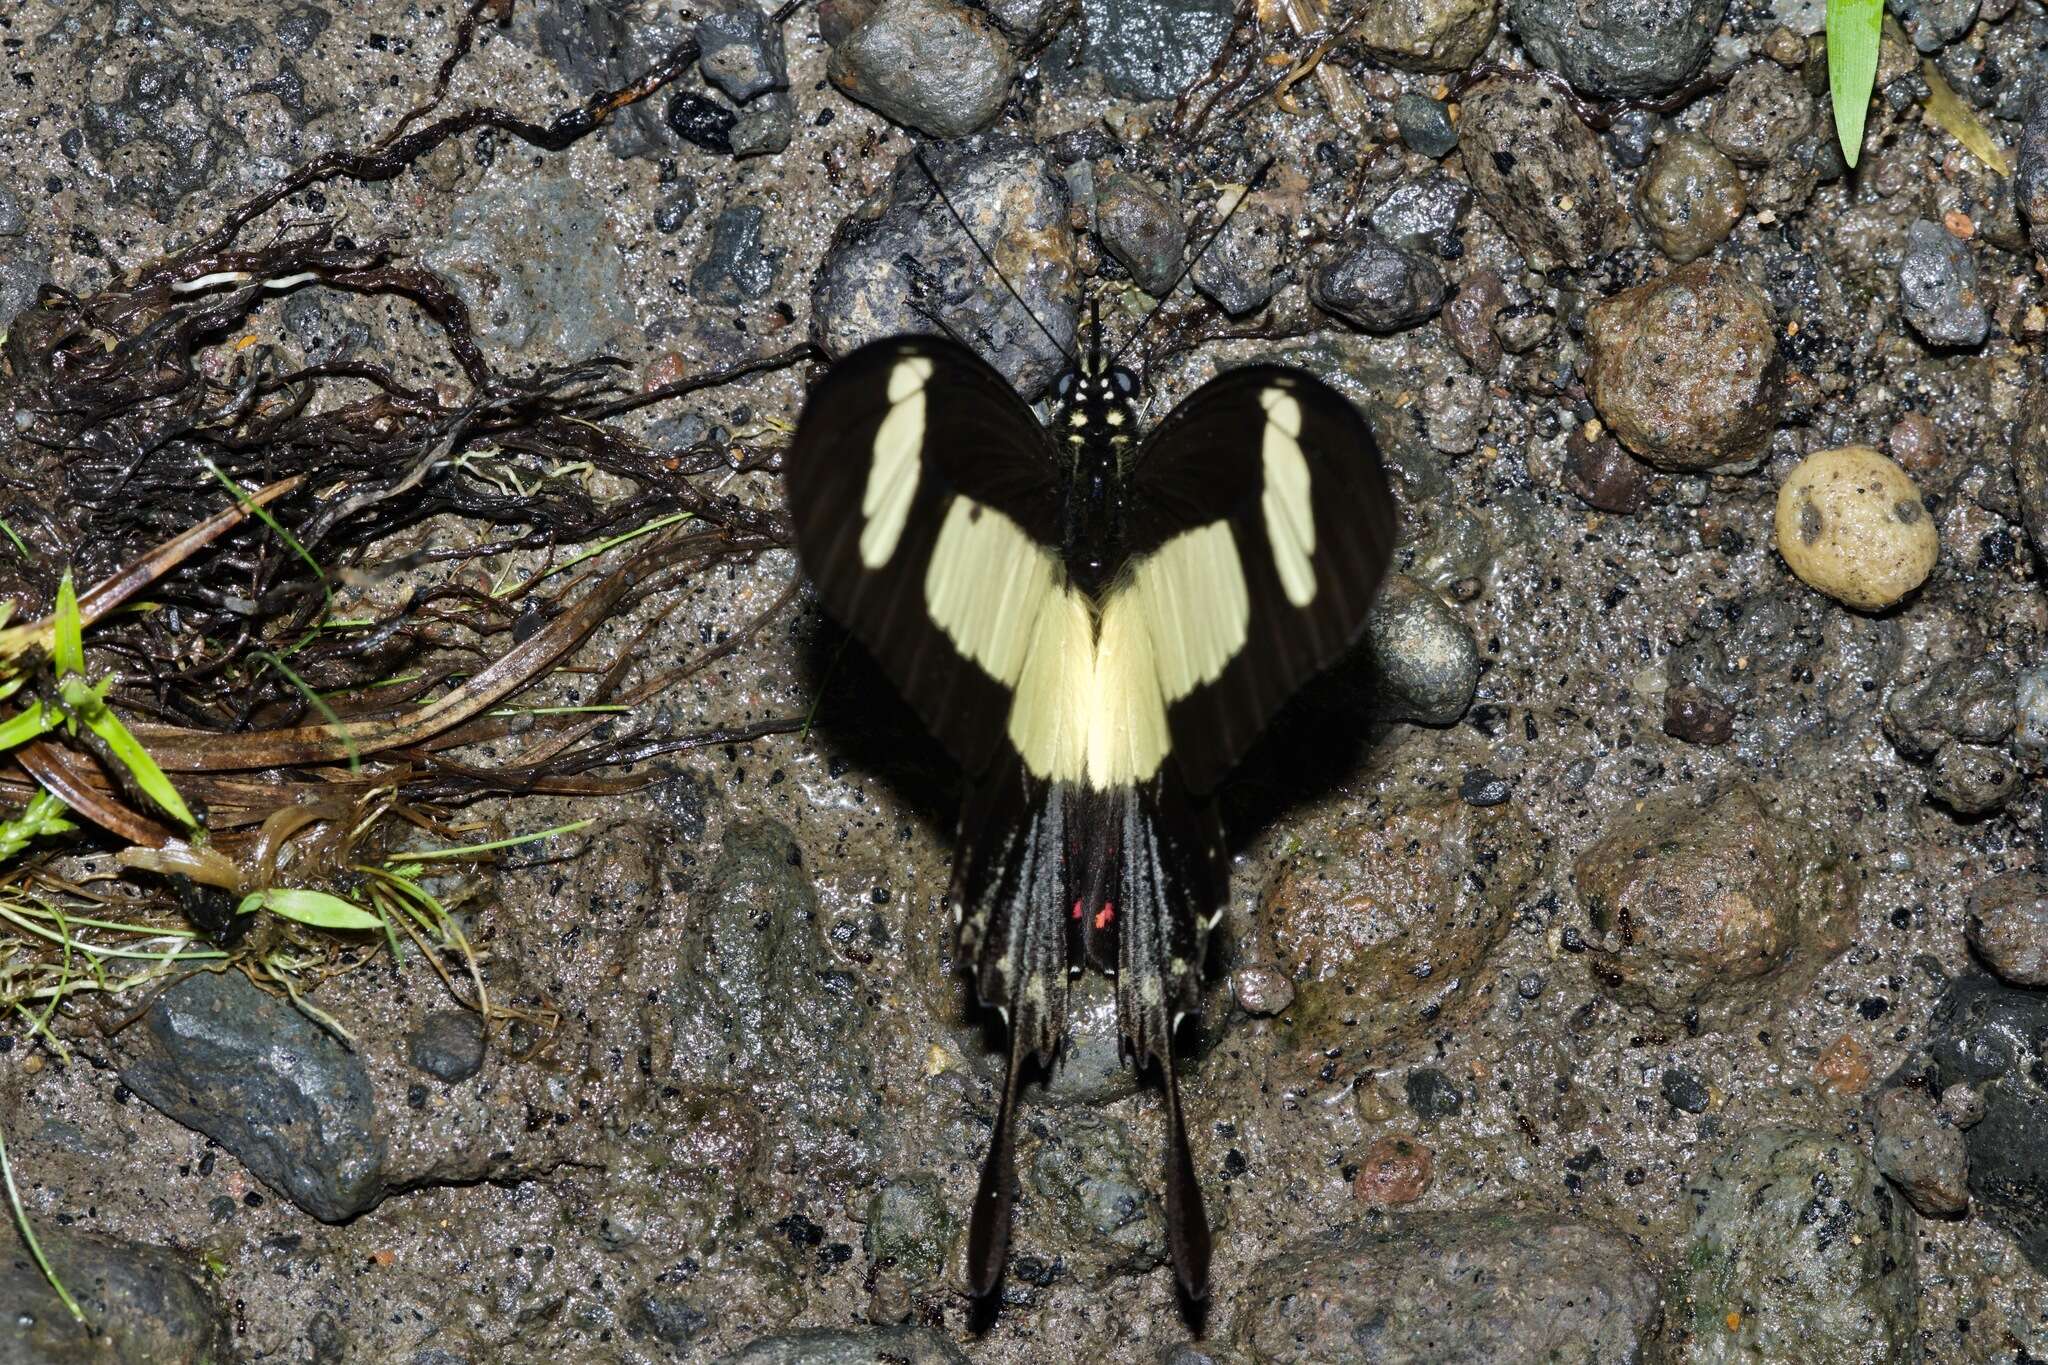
1797, 1251
1763, 112
1469, 317
1694, 716
1014, 196
1240, 267
1632, 133
1482, 788
1599, 473
1424, 214
700, 121
1934, 24
148, 1303
2008, 926
1722, 909
448, 1045
1920, 1153
1379, 287
737, 267
1261, 990
1481, 1285
740, 52
1142, 229
1426, 35
1154, 49
1938, 288
1915, 442
1685, 369
268, 1084
1382, 926
1690, 197
1993, 1039
1394, 1170
765, 126
1538, 171
1432, 1095
2030, 718
1096, 1178
1455, 410
1423, 653
1684, 1091
1029, 22
674, 1320
932, 65
859, 1346
1851, 524
910, 1226
1425, 125
1619, 49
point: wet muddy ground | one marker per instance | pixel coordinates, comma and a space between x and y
1632, 950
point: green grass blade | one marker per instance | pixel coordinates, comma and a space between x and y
45, 815
1855, 28
67, 650
22, 728
262, 514
316, 908
130, 754
421, 855
28, 1237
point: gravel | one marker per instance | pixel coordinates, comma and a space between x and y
1379, 287
1618, 49
932, 65
1690, 197
1938, 288
1538, 171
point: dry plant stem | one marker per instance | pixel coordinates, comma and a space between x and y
57, 769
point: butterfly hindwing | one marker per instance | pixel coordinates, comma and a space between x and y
1260, 527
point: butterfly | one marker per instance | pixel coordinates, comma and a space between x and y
1097, 627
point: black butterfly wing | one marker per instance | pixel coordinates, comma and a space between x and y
1260, 527
924, 495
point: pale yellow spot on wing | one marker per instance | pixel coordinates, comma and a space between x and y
985, 586
1286, 500
1049, 716
1127, 735
1192, 595
893, 465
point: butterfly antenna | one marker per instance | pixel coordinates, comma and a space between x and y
1188, 266
1066, 353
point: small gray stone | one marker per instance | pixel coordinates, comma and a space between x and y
1142, 229
1030, 22
827, 1346
736, 266
1956, 720
1380, 287
2008, 926
1683, 1090
1994, 1039
1089, 1174
671, 1319
1426, 658
267, 1083
1424, 1289
24, 270
1426, 35
1763, 112
932, 65
1921, 1154
740, 52
1619, 49
1154, 49
1632, 133
148, 1304
1240, 269
1938, 288
2030, 718
1261, 989
909, 1227
448, 1045
1425, 125
1424, 214
765, 126
1798, 1251
1539, 171
1934, 24
1690, 197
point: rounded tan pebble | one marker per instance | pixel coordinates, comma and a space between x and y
1851, 523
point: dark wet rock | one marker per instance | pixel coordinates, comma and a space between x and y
737, 266
1798, 1251
1538, 171
1241, 267
1468, 320
1154, 49
1689, 198
1096, 1180
2008, 926
448, 1045
1425, 125
874, 1346
1993, 1040
1432, 1095
1017, 206
1956, 721
674, 1320
163, 136
1921, 1152
1523, 325
1377, 286
1424, 214
765, 126
1482, 788
932, 65
1618, 49
700, 121
1718, 909
740, 52
1142, 229
149, 1303
1762, 113
1426, 35
1632, 133
2030, 456
2030, 178
1030, 22
1424, 654
601, 47
1684, 1091
1938, 288
1934, 24
1692, 715
267, 1083
1383, 925
1416, 1289
24, 270
909, 1227
537, 264
1685, 369
1599, 473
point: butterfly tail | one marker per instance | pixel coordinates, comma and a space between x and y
988, 1228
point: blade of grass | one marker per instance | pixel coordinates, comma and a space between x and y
20, 729
466, 850
355, 759
592, 551
28, 1237
90, 706
67, 644
257, 510
1855, 28
316, 908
